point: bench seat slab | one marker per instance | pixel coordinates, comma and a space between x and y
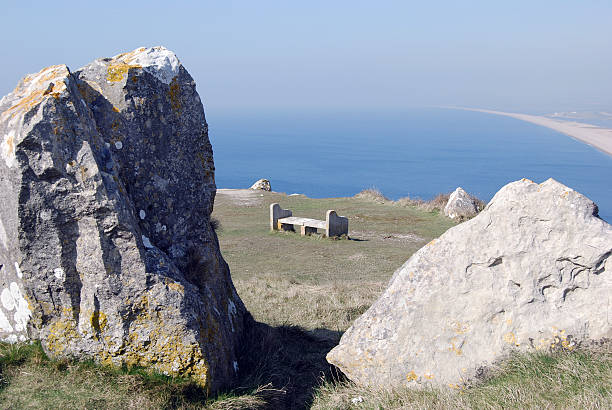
294, 220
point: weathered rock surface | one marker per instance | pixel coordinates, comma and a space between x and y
532, 271
106, 246
262, 184
460, 205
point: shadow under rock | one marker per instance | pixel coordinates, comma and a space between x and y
287, 361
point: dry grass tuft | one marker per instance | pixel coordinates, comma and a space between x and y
372, 194
254, 400
334, 306
436, 204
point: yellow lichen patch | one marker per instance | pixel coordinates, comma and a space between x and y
175, 286
460, 328
27, 102
56, 89
115, 109
428, 376
527, 180
10, 145
454, 348
32, 90
543, 344
83, 173
561, 339
510, 338
61, 333
165, 350
431, 242
98, 320
116, 71
174, 94
128, 56
411, 376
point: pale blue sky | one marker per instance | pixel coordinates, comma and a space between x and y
530, 56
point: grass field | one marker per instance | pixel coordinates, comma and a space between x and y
304, 292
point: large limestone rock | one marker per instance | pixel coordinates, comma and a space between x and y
460, 205
106, 246
532, 271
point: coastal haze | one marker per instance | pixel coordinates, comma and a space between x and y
522, 56
349, 83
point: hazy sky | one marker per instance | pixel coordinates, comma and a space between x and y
530, 56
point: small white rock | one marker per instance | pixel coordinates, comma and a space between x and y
142, 214
146, 242
118, 144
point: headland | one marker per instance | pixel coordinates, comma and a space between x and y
593, 135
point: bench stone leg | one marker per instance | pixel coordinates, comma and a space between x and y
307, 230
276, 213
335, 225
286, 227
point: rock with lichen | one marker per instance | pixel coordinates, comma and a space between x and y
532, 271
106, 246
262, 185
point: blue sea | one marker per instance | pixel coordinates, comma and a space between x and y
416, 153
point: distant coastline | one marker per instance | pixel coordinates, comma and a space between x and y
597, 137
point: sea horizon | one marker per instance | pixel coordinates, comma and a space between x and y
417, 152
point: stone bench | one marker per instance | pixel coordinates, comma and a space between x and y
283, 219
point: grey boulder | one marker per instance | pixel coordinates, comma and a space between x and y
531, 272
106, 247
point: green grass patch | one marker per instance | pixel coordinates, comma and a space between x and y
30, 380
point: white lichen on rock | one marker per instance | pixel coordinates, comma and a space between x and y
59, 273
157, 61
146, 242
262, 184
